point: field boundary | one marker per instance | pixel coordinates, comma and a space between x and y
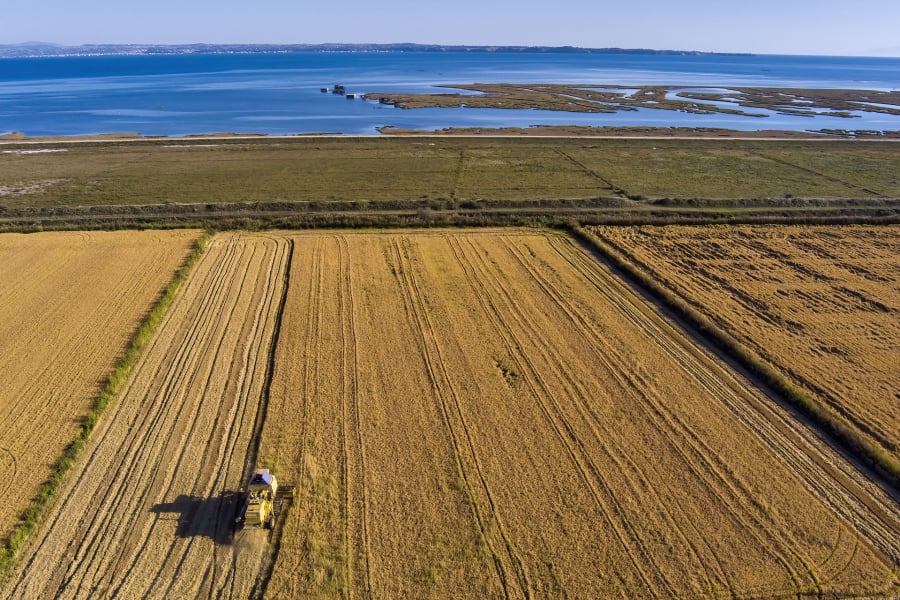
34, 515
841, 432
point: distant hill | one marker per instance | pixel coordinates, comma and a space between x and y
35, 49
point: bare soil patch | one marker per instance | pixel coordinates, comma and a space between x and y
32, 187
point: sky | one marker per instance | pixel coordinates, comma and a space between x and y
831, 27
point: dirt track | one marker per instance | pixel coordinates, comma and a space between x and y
146, 518
69, 303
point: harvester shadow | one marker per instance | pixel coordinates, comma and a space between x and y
211, 517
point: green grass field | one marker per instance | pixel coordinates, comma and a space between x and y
361, 169
273, 178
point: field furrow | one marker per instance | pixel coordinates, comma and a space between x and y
701, 558
508, 321
412, 498
509, 565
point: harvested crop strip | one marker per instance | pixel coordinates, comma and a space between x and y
150, 514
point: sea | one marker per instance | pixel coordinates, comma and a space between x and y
280, 94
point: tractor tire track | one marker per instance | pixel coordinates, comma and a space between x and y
147, 425
851, 186
279, 274
203, 475
671, 427
593, 174
707, 559
156, 477
350, 400
508, 566
300, 453
565, 432
575, 394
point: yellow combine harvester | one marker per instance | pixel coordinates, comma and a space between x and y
262, 501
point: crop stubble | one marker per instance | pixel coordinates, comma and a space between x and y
818, 302
495, 414
146, 516
68, 304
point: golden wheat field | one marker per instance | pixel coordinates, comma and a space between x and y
821, 303
473, 414
69, 303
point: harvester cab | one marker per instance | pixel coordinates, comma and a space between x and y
262, 500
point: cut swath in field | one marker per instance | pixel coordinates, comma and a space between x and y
69, 302
150, 513
496, 414
817, 303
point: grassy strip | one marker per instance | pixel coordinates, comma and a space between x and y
41, 504
833, 424
540, 215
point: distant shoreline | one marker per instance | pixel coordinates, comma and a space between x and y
39, 49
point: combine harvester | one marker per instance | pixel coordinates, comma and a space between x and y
262, 501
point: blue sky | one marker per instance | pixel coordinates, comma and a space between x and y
834, 27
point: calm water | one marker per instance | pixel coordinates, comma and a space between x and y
279, 93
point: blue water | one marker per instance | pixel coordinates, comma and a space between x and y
279, 93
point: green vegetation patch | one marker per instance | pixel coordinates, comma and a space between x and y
733, 170
601, 98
